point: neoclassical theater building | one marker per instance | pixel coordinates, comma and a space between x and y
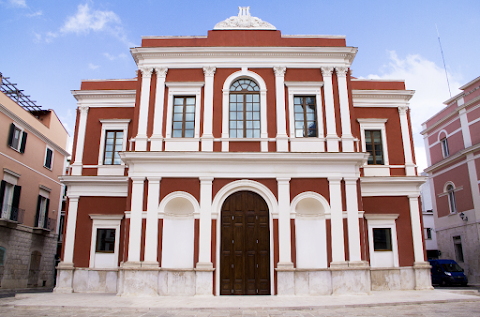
244, 162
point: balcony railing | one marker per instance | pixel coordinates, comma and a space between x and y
9, 212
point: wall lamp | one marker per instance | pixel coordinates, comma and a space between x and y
463, 217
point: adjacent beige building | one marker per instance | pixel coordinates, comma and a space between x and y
32, 157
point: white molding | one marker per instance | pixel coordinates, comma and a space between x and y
104, 222
391, 186
105, 98
381, 98
312, 195
112, 124
374, 124
382, 221
111, 186
178, 195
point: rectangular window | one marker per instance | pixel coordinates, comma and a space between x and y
305, 116
444, 144
17, 138
9, 201
373, 143
183, 123
41, 219
428, 233
245, 115
113, 145
457, 242
48, 158
382, 239
105, 240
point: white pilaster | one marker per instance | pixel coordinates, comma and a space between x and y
151, 229
207, 137
355, 254
467, 138
472, 176
407, 146
336, 220
205, 238
136, 209
76, 168
141, 139
332, 137
282, 138
347, 137
284, 234
156, 143
416, 229
70, 230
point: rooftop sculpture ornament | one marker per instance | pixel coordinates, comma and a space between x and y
244, 21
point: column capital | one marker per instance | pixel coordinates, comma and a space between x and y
73, 198
83, 109
146, 71
283, 179
341, 71
350, 180
327, 70
161, 72
209, 70
279, 71
333, 180
206, 179
153, 178
413, 197
138, 179
402, 110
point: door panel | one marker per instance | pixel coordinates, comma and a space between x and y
245, 245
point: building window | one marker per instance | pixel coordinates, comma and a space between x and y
452, 203
17, 138
9, 200
244, 109
457, 242
48, 158
105, 241
382, 239
183, 123
41, 217
373, 144
428, 233
305, 116
444, 144
113, 145
2, 256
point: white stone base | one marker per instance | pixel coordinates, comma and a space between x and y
389, 279
423, 278
351, 281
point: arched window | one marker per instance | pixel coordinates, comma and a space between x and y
451, 198
244, 109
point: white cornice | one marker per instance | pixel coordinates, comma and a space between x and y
381, 98
243, 165
112, 186
451, 159
391, 186
196, 57
105, 98
304, 84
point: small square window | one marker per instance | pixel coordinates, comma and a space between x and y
105, 240
382, 239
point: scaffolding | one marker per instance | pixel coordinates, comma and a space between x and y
17, 95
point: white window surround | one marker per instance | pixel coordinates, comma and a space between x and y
383, 258
51, 159
305, 88
105, 222
449, 195
112, 124
44, 191
183, 89
10, 176
375, 124
244, 73
20, 137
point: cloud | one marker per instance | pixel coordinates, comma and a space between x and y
92, 66
431, 90
87, 20
35, 14
114, 57
18, 3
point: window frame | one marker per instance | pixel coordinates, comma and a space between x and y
244, 119
183, 89
375, 124
444, 146
10, 179
43, 205
112, 125
104, 222
382, 221
47, 148
184, 114
22, 138
452, 200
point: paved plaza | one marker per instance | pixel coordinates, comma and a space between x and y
393, 303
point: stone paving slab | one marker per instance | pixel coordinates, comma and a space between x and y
250, 305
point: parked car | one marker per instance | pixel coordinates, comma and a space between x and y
447, 272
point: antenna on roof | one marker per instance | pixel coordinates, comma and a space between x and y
443, 58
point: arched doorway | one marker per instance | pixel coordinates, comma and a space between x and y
245, 245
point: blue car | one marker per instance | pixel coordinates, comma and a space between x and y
447, 272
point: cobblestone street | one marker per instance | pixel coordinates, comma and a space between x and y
457, 309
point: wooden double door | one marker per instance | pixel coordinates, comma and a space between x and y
245, 245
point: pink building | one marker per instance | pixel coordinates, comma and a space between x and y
452, 140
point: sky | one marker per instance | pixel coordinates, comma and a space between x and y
48, 47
